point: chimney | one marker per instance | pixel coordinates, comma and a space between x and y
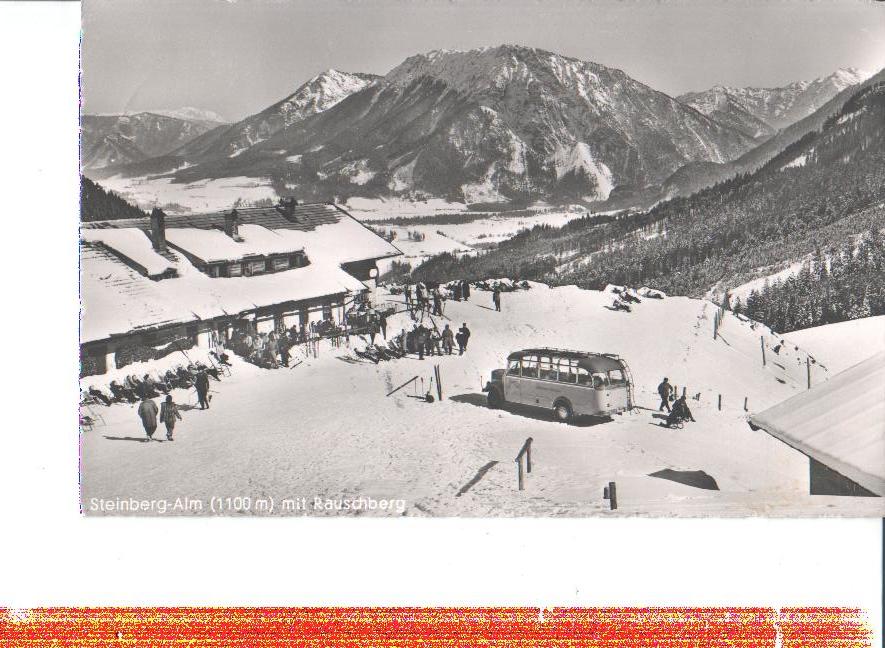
158, 229
231, 224
286, 207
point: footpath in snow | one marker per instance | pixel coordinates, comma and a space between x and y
324, 431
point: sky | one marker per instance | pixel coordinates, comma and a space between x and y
236, 57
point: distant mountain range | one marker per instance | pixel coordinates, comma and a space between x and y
112, 140
507, 123
761, 112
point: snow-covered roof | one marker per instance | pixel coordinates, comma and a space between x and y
840, 423
133, 244
320, 229
117, 299
214, 245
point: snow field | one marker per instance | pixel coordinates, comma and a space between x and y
325, 428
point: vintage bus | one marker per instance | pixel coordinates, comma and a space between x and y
568, 383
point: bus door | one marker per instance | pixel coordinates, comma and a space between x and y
618, 390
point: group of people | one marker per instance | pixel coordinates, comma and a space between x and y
427, 298
680, 411
168, 414
424, 340
133, 389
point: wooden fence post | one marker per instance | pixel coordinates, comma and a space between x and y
808, 370
684, 389
528, 455
762, 343
745, 403
612, 495
720, 401
519, 473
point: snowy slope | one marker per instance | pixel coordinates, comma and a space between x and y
843, 345
325, 428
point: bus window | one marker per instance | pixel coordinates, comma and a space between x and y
513, 368
599, 380
547, 368
567, 373
583, 376
616, 378
530, 367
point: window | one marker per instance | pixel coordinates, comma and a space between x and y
513, 367
600, 379
235, 270
583, 376
616, 378
530, 367
281, 263
547, 368
568, 370
213, 270
257, 267
327, 311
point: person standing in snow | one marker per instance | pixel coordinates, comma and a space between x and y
465, 290
437, 302
202, 385
448, 339
664, 391
382, 320
421, 340
462, 338
168, 414
408, 293
147, 412
496, 297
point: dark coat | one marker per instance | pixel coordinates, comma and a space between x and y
202, 382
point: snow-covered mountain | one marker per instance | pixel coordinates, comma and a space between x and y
123, 139
315, 96
754, 109
191, 113
483, 125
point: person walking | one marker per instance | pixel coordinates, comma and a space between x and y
147, 412
664, 391
382, 320
496, 298
168, 414
463, 337
202, 385
465, 290
408, 293
448, 339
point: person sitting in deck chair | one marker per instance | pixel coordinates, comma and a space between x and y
679, 413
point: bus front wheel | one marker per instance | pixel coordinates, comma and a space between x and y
562, 411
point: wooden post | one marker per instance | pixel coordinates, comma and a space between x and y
528, 455
715, 325
612, 496
438, 383
520, 476
684, 389
762, 343
745, 403
720, 401
808, 370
